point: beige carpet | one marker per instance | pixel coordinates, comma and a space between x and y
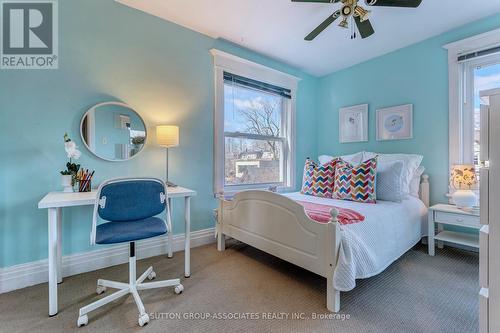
418, 293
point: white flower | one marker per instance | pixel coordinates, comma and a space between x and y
72, 150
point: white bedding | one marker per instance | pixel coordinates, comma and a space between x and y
367, 248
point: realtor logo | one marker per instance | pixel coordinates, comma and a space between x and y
28, 35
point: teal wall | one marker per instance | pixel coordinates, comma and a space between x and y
417, 74
111, 52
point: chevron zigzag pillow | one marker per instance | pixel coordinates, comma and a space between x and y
318, 179
356, 183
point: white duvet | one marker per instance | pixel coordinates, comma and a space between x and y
367, 248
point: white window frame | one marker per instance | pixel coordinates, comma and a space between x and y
461, 110
235, 65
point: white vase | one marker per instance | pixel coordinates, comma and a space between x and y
66, 181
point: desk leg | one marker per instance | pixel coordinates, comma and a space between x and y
53, 232
170, 231
59, 245
187, 241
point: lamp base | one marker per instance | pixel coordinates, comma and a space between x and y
464, 199
169, 184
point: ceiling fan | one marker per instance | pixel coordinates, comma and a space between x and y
352, 11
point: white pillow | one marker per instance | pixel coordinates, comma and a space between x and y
411, 163
415, 182
353, 159
389, 181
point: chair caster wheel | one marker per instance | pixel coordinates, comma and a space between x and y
100, 290
152, 275
179, 289
143, 320
82, 321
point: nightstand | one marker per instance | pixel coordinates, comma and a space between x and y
444, 214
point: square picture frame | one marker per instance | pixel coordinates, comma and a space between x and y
353, 123
395, 123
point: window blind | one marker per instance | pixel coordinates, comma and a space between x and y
476, 54
246, 82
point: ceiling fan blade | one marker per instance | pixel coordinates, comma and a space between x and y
394, 3
322, 1
365, 28
323, 26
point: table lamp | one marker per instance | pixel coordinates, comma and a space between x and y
167, 136
463, 179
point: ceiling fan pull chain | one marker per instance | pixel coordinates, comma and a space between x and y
352, 28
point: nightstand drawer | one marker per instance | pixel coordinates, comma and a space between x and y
457, 219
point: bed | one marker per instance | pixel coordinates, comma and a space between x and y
278, 224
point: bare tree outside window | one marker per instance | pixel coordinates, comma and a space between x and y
260, 119
253, 136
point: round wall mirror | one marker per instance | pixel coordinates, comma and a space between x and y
113, 131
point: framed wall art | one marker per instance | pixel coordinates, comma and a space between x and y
353, 123
395, 123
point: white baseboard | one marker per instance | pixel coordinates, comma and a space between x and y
25, 275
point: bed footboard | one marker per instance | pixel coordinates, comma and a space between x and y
279, 226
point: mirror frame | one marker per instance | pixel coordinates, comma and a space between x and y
119, 104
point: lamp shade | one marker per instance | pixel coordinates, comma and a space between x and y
463, 177
167, 136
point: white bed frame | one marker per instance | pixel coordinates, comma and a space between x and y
279, 226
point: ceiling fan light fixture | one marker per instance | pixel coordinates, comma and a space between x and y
344, 23
346, 10
361, 13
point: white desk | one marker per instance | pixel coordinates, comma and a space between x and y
55, 201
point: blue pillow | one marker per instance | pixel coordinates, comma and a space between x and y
389, 185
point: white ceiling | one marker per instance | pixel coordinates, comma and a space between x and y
277, 28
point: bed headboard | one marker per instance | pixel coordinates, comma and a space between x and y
424, 189
423, 192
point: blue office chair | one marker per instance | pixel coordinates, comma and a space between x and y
130, 208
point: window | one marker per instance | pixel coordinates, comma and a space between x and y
476, 75
484, 75
474, 66
254, 126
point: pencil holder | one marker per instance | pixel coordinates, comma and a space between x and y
85, 185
